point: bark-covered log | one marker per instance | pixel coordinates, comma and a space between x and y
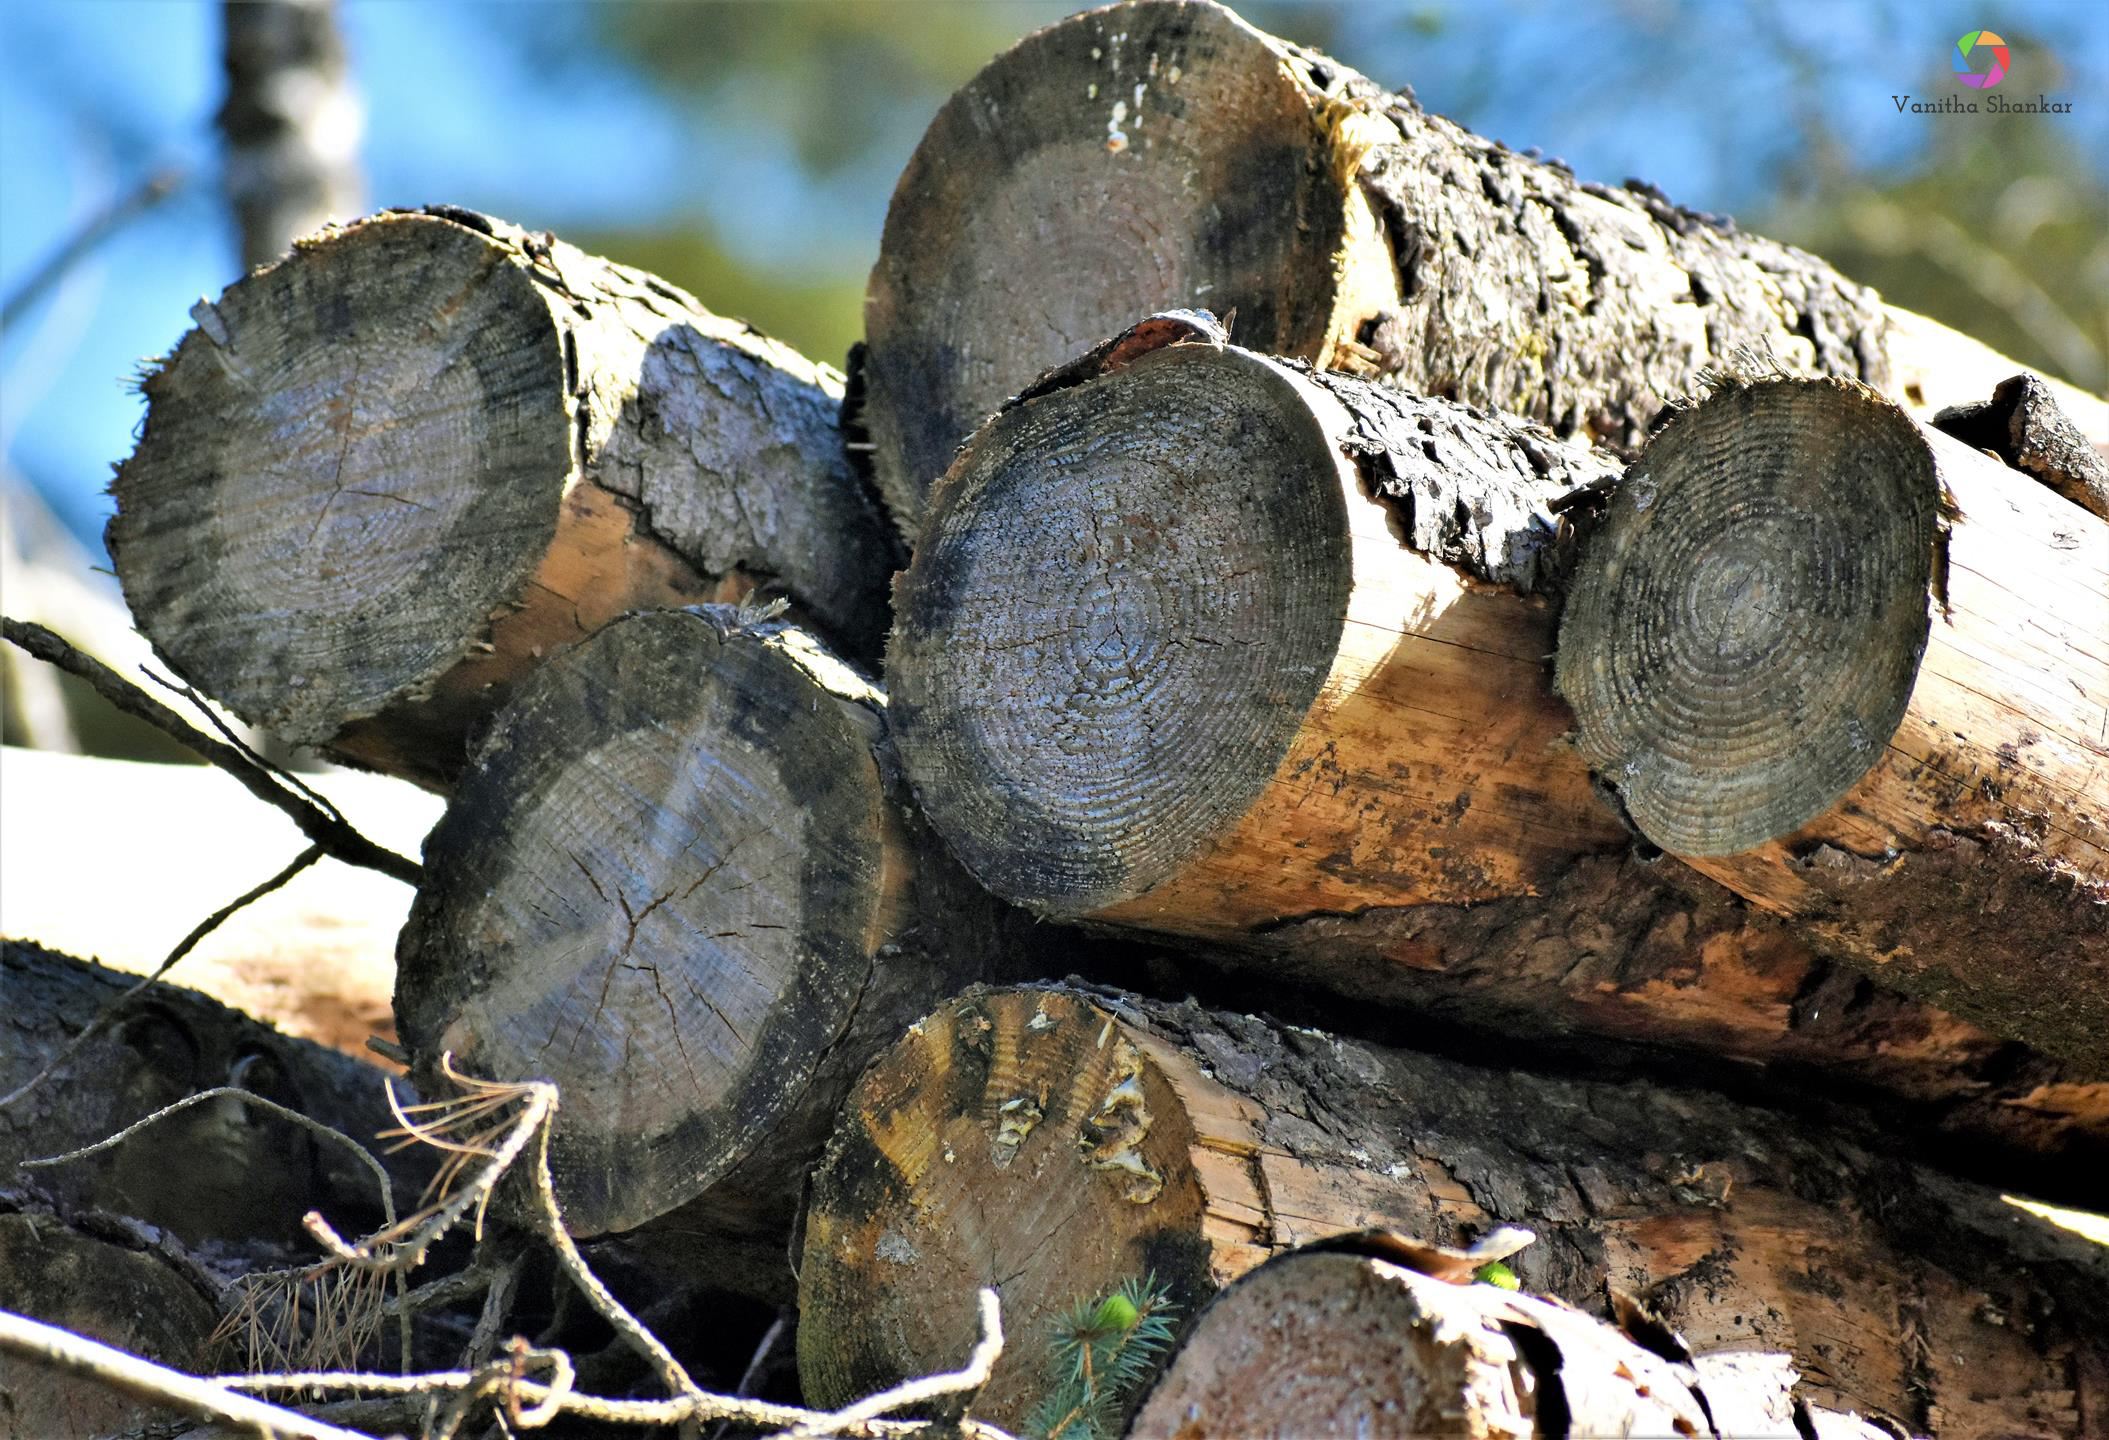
1204, 641
385, 476
679, 880
1859, 672
118, 1281
1162, 153
1310, 716
1054, 1143
1321, 1342
218, 1171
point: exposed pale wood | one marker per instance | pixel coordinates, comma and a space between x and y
1857, 671
115, 860
218, 1171
384, 476
1162, 153
1206, 641
1054, 1142
679, 881
1323, 1343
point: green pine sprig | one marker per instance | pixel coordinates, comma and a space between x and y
1100, 1351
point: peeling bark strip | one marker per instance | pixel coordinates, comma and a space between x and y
1163, 153
386, 475
1053, 1142
676, 881
1856, 671
1318, 1342
1209, 641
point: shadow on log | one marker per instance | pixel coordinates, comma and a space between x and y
218, 1171
1055, 1142
386, 475
1859, 672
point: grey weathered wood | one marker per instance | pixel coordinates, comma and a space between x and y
385, 476
679, 881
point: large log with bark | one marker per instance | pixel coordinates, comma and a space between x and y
1054, 1142
1211, 644
1859, 672
218, 1171
680, 881
383, 477
1321, 1340
1163, 153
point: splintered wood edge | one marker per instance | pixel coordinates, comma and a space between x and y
1015, 1138
1137, 158
660, 885
1743, 635
375, 488
1102, 651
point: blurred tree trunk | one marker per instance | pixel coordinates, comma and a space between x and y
291, 122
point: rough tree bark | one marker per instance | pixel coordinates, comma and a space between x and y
218, 1171
1859, 672
679, 880
386, 475
1132, 685
1163, 153
1055, 1142
1318, 1342
291, 121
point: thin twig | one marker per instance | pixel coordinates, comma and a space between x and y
332, 833
205, 927
753, 1372
113, 217
49, 1345
199, 703
966, 1380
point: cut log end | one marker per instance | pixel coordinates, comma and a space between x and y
1018, 1139
1744, 637
1129, 634
1141, 157
376, 492
660, 886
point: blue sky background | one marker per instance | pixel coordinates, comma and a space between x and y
521, 110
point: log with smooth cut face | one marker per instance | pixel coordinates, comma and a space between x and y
660, 886
1142, 157
1127, 598
1744, 637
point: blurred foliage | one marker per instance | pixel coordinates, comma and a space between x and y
819, 315
2001, 230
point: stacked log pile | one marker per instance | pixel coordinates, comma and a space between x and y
1554, 638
